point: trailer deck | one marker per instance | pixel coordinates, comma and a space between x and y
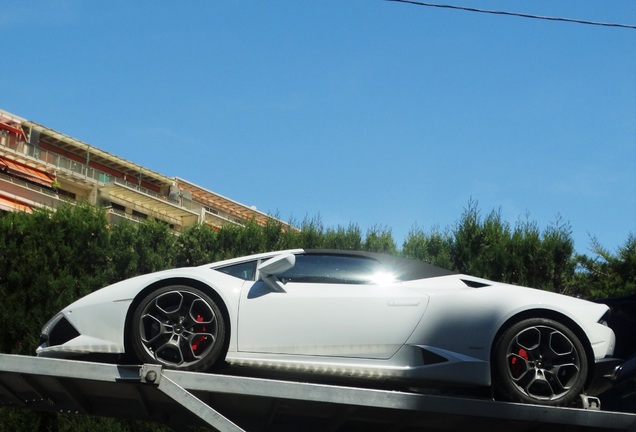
183, 400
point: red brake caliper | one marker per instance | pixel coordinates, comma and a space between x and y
515, 365
197, 340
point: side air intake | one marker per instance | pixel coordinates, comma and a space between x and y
430, 358
474, 284
62, 333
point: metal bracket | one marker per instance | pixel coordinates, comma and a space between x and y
153, 374
150, 373
590, 402
197, 407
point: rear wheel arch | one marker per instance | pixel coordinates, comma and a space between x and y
192, 283
553, 315
549, 314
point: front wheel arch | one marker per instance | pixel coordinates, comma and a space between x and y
553, 315
129, 355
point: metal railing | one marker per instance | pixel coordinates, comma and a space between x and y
28, 185
57, 160
64, 163
144, 190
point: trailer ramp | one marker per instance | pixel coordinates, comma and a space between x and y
184, 400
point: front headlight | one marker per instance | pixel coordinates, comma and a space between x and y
48, 327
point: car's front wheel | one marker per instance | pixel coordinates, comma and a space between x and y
179, 327
539, 360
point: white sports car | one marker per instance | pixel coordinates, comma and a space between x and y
359, 314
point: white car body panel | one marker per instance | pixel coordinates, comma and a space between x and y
453, 304
335, 320
111, 305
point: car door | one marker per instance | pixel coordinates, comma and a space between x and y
329, 305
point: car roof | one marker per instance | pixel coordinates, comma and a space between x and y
403, 269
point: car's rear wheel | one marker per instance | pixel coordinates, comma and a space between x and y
179, 327
540, 361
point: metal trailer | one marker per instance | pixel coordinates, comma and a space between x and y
226, 403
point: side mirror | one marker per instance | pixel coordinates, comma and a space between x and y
275, 266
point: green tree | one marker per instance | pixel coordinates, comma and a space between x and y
607, 274
341, 238
467, 241
48, 261
274, 233
380, 239
433, 248
236, 240
140, 248
311, 234
559, 260
196, 245
523, 255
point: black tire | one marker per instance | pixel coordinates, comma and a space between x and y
540, 361
179, 327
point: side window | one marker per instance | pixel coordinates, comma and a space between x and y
340, 269
245, 271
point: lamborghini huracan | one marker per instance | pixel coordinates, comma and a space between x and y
351, 314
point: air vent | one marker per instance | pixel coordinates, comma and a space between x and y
474, 284
62, 333
430, 358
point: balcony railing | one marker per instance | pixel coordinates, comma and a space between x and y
58, 161
64, 163
38, 195
144, 190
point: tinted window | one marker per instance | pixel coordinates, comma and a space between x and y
245, 270
334, 269
400, 269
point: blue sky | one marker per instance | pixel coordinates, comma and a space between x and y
362, 111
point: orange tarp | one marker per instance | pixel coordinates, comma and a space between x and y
10, 205
26, 172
